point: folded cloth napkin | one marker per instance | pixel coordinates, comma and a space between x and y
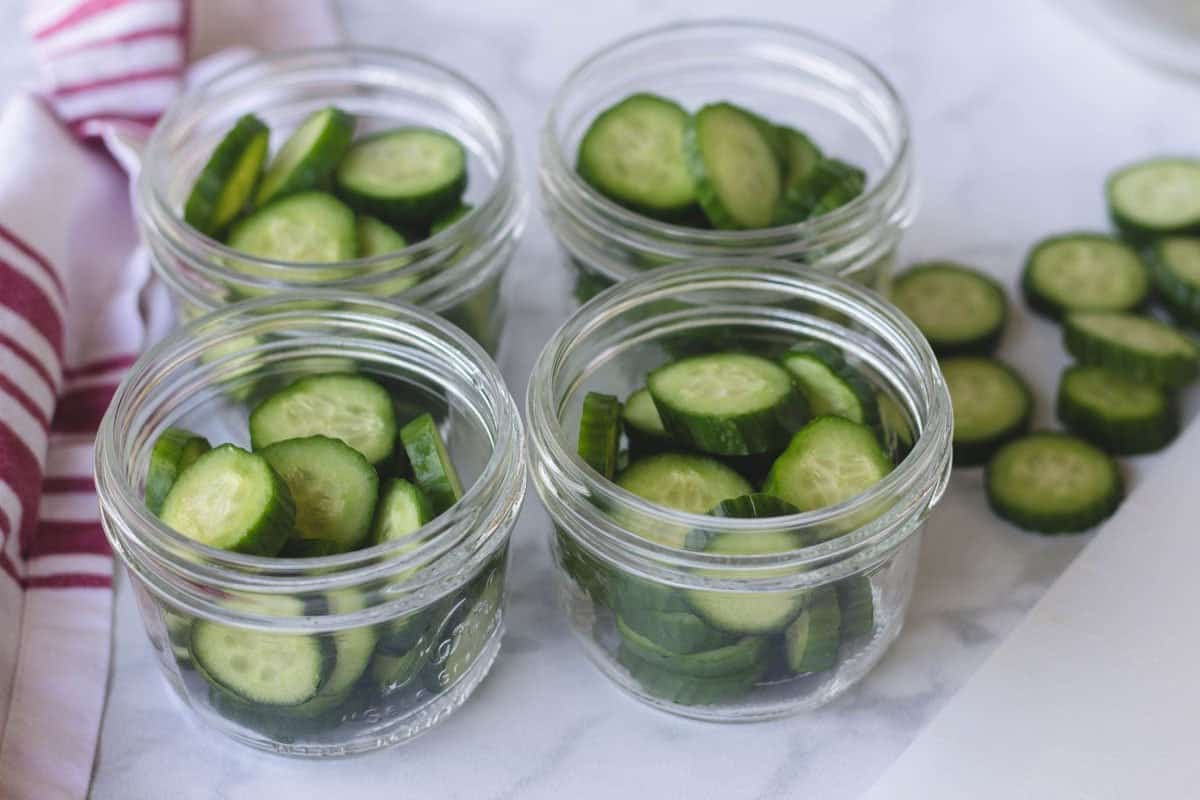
73, 317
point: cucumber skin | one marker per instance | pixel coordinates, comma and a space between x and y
313, 171
836, 362
1132, 230
974, 453
404, 211
830, 185
822, 614
1119, 437
600, 433
707, 194
1046, 306
205, 196
683, 689
1181, 299
1167, 371
181, 449
856, 604
983, 344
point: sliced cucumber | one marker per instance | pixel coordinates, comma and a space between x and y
600, 432
856, 603
403, 510
1176, 269
727, 403
1084, 272
829, 460
831, 184
333, 486
643, 426
1121, 415
590, 575
399, 636
830, 385
310, 227
406, 176
749, 612
801, 159
754, 506
1053, 483
1159, 197
433, 470
811, 641
174, 450
450, 218
960, 310
741, 656
231, 500
633, 154
1138, 347
737, 176
227, 180
675, 631
339, 405
352, 647
682, 482
309, 155
992, 405
631, 595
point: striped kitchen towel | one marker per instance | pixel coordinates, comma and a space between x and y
72, 319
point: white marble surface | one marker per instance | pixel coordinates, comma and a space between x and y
1017, 116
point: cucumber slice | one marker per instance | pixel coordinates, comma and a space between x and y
311, 227
403, 510
829, 460
749, 612
432, 468
727, 403
393, 672
992, 405
960, 310
1175, 267
683, 482
684, 689
589, 574
231, 500
600, 432
377, 238
406, 176
174, 450
675, 631
856, 604
633, 154
274, 669
345, 406
352, 647
1138, 347
831, 184
1155, 198
643, 426
754, 506
1084, 272
227, 180
333, 486
400, 635
738, 182
632, 595
1053, 483
811, 641
741, 656
830, 385
309, 155
1119, 414
800, 161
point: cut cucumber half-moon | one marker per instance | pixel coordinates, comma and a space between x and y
1084, 272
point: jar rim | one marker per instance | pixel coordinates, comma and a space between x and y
499, 216
927, 462
847, 213
495, 495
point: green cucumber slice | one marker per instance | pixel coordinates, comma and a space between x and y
231, 500
683, 482
737, 176
432, 468
960, 310
741, 656
1175, 266
1084, 272
811, 641
340, 405
352, 647
227, 180
600, 432
748, 612
829, 460
333, 486
830, 385
633, 154
1137, 347
675, 631
406, 176
801, 159
309, 155
727, 403
643, 426
896, 430
856, 603
174, 451
684, 689
469, 637
992, 404
310, 227
377, 238
403, 510
831, 184
754, 506
1119, 414
1159, 197
1053, 483
399, 636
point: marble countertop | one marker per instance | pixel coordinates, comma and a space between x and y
1017, 115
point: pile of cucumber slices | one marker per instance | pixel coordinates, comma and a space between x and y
330, 471
737, 434
326, 197
723, 167
1120, 398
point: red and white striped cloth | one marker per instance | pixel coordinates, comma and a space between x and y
72, 320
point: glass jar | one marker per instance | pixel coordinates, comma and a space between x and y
652, 607
456, 273
788, 75
408, 628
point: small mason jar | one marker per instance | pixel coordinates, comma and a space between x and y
788, 75
456, 272
409, 628
650, 604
